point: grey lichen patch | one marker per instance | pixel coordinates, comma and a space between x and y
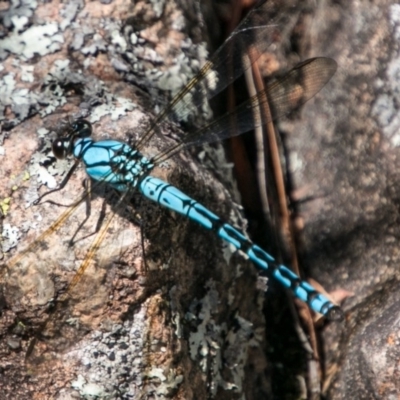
11, 234
113, 364
19, 100
19, 22
59, 77
394, 16
23, 102
45, 175
114, 109
158, 7
36, 40
18, 10
211, 351
97, 44
10, 237
95, 92
87, 390
27, 73
236, 354
168, 381
7, 85
69, 13
214, 158
386, 106
118, 40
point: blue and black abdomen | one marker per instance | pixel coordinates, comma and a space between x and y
172, 198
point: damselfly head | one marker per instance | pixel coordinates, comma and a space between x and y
77, 129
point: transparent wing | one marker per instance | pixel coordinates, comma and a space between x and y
282, 96
263, 24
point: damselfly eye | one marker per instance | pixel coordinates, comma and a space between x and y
59, 148
82, 128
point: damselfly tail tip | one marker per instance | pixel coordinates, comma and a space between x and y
335, 313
